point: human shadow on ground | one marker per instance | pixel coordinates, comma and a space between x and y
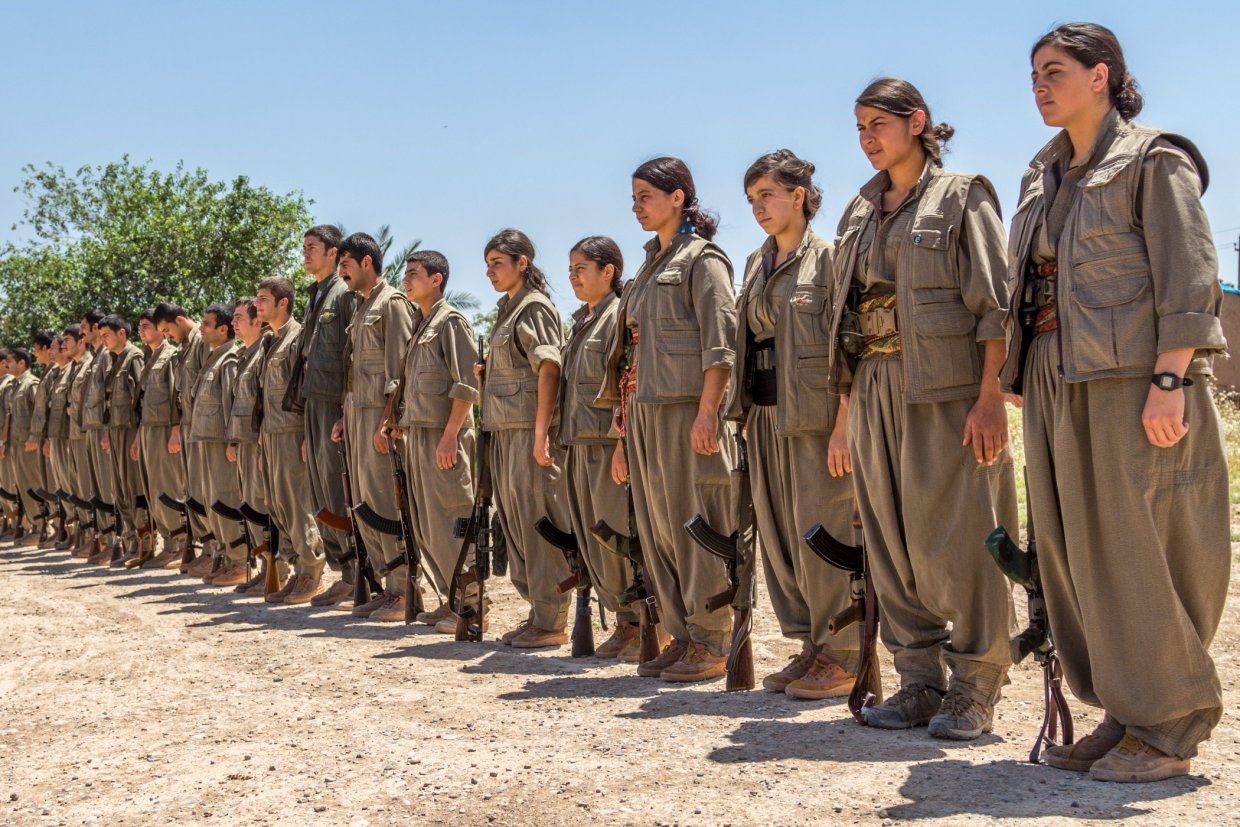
1011, 789
711, 700
830, 735
583, 687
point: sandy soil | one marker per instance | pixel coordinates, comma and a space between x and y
137, 698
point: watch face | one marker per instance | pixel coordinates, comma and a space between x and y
1166, 382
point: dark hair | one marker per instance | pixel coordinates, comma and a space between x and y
20, 354
223, 314
671, 174
4, 352
433, 261
93, 317
44, 338
281, 289
901, 98
329, 234
515, 244
789, 172
167, 312
147, 315
360, 245
250, 305
1090, 44
602, 251
73, 330
115, 322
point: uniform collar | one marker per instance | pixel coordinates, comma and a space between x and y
876, 186
1060, 147
506, 302
605, 302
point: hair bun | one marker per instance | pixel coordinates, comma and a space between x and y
943, 132
1128, 100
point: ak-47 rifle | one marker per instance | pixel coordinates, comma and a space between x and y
566, 541
193, 506
85, 506
410, 555
145, 531
113, 527
1021, 567
868, 687
409, 545
364, 580
183, 508
45, 512
737, 552
57, 497
246, 539
270, 546
15, 513
474, 531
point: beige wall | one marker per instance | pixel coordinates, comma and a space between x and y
1227, 371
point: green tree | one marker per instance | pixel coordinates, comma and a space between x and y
124, 236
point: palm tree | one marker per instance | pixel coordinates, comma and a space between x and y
394, 270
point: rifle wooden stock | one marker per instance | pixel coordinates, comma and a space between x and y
568, 584
854, 613
739, 668
334, 521
716, 602
583, 627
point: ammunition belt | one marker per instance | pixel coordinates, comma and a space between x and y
879, 327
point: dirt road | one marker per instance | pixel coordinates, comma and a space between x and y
140, 698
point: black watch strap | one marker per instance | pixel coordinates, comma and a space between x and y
1168, 381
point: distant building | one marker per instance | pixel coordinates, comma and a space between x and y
1227, 371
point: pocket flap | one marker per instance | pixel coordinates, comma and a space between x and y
807, 299
931, 234
1111, 293
503, 388
1103, 174
671, 275
955, 321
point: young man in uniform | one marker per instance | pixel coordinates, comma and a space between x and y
43, 342
288, 479
92, 423
172, 321
162, 471
321, 386
120, 418
209, 441
244, 425
378, 339
56, 447
81, 478
26, 470
9, 527
436, 431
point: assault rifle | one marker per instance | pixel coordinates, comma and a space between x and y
1021, 567
14, 514
234, 514
145, 532
113, 528
566, 541
183, 507
364, 580
270, 546
85, 506
737, 552
45, 512
637, 594
193, 506
475, 531
402, 529
863, 609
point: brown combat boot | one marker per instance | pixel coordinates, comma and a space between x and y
433, 617
697, 664
86, 545
231, 575
447, 626
798, 666
512, 634
306, 589
825, 679
339, 590
391, 612
375, 603
672, 652
1080, 756
169, 558
283, 592
101, 557
202, 567
620, 638
535, 637
1132, 761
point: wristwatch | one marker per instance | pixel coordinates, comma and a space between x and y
1168, 381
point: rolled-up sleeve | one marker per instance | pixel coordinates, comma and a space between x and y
1183, 260
541, 335
714, 303
397, 331
981, 260
460, 353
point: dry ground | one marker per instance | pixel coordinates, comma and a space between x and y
147, 698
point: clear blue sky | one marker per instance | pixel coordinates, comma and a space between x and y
451, 120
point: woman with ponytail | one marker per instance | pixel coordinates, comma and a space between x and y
595, 268
1114, 325
520, 409
675, 334
919, 303
796, 428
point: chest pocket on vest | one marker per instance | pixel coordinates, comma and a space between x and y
930, 238
669, 295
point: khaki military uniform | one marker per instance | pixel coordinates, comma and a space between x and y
329, 312
162, 472
121, 420
780, 387
79, 439
1133, 540
191, 356
243, 426
209, 438
926, 504
377, 340
527, 332
92, 415
439, 368
681, 305
27, 466
57, 431
288, 480
586, 431
6, 464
